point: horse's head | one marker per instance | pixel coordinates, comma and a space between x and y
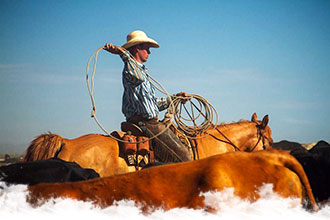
264, 134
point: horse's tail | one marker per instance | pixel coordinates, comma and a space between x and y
43, 147
291, 163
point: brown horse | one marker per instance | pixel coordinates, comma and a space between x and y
101, 153
183, 184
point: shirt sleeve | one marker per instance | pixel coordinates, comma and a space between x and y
125, 56
132, 72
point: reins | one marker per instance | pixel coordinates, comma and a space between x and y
227, 141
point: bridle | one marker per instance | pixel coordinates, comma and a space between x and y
260, 135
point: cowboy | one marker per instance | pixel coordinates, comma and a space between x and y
140, 105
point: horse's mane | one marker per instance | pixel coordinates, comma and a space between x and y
242, 121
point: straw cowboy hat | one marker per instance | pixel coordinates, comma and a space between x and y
139, 37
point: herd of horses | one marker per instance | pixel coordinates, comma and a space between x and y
237, 155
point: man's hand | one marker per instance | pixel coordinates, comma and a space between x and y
112, 48
185, 97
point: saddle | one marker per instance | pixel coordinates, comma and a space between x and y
136, 147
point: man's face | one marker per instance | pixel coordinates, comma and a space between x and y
143, 51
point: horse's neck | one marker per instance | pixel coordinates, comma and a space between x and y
226, 138
235, 132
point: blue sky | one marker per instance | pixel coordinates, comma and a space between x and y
268, 57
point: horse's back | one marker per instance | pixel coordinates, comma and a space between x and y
86, 144
96, 151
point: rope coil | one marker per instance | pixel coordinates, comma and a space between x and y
189, 125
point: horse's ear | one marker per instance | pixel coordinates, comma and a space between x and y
265, 121
254, 118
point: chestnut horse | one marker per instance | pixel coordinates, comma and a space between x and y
101, 153
183, 184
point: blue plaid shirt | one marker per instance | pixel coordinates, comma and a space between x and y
139, 94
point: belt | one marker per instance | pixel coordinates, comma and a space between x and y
137, 118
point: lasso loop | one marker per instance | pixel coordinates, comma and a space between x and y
175, 107
191, 124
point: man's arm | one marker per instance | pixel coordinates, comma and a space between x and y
131, 71
113, 49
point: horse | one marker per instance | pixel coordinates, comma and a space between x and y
182, 185
102, 153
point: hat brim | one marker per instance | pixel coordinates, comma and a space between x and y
137, 41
